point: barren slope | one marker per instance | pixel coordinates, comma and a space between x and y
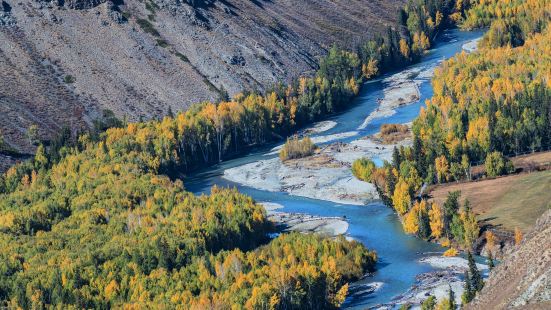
63, 62
523, 279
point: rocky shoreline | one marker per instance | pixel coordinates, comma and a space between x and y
437, 283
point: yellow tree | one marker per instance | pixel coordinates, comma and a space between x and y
401, 198
490, 241
470, 227
436, 221
411, 220
404, 48
370, 69
518, 236
442, 168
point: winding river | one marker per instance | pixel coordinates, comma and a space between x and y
374, 225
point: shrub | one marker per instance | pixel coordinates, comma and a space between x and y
148, 27
392, 133
162, 43
497, 164
387, 129
296, 148
69, 79
1, 141
451, 252
363, 169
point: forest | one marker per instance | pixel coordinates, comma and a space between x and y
486, 106
102, 228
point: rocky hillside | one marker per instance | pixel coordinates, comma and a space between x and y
64, 62
523, 279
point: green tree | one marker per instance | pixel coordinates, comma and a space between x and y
496, 164
491, 263
396, 159
32, 134
451, 208
451, 298
429, 303
40, 158
476, 278
468, 293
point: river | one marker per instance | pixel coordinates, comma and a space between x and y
375, 225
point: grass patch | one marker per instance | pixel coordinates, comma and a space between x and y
506, 202
392, 133
148, 27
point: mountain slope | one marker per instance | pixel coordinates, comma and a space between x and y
523, 279
65, 62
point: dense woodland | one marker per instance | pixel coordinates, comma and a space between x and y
486, 106
103, 228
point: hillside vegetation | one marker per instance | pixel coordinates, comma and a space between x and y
211, 51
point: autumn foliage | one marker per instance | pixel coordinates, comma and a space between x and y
103, 228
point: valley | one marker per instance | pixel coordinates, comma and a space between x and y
369, 221
217, 154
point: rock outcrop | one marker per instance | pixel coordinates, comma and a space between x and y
523, 279
6, 18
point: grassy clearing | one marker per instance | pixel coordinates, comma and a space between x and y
506, 202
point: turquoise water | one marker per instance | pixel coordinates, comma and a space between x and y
374, 225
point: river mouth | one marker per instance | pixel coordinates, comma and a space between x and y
375, 225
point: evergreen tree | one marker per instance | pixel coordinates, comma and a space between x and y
429, 303
451, 207
424, 231
223, 94
468, 293
451, 297
396, 160
169, 113
476, 278
491, 263
418, 155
